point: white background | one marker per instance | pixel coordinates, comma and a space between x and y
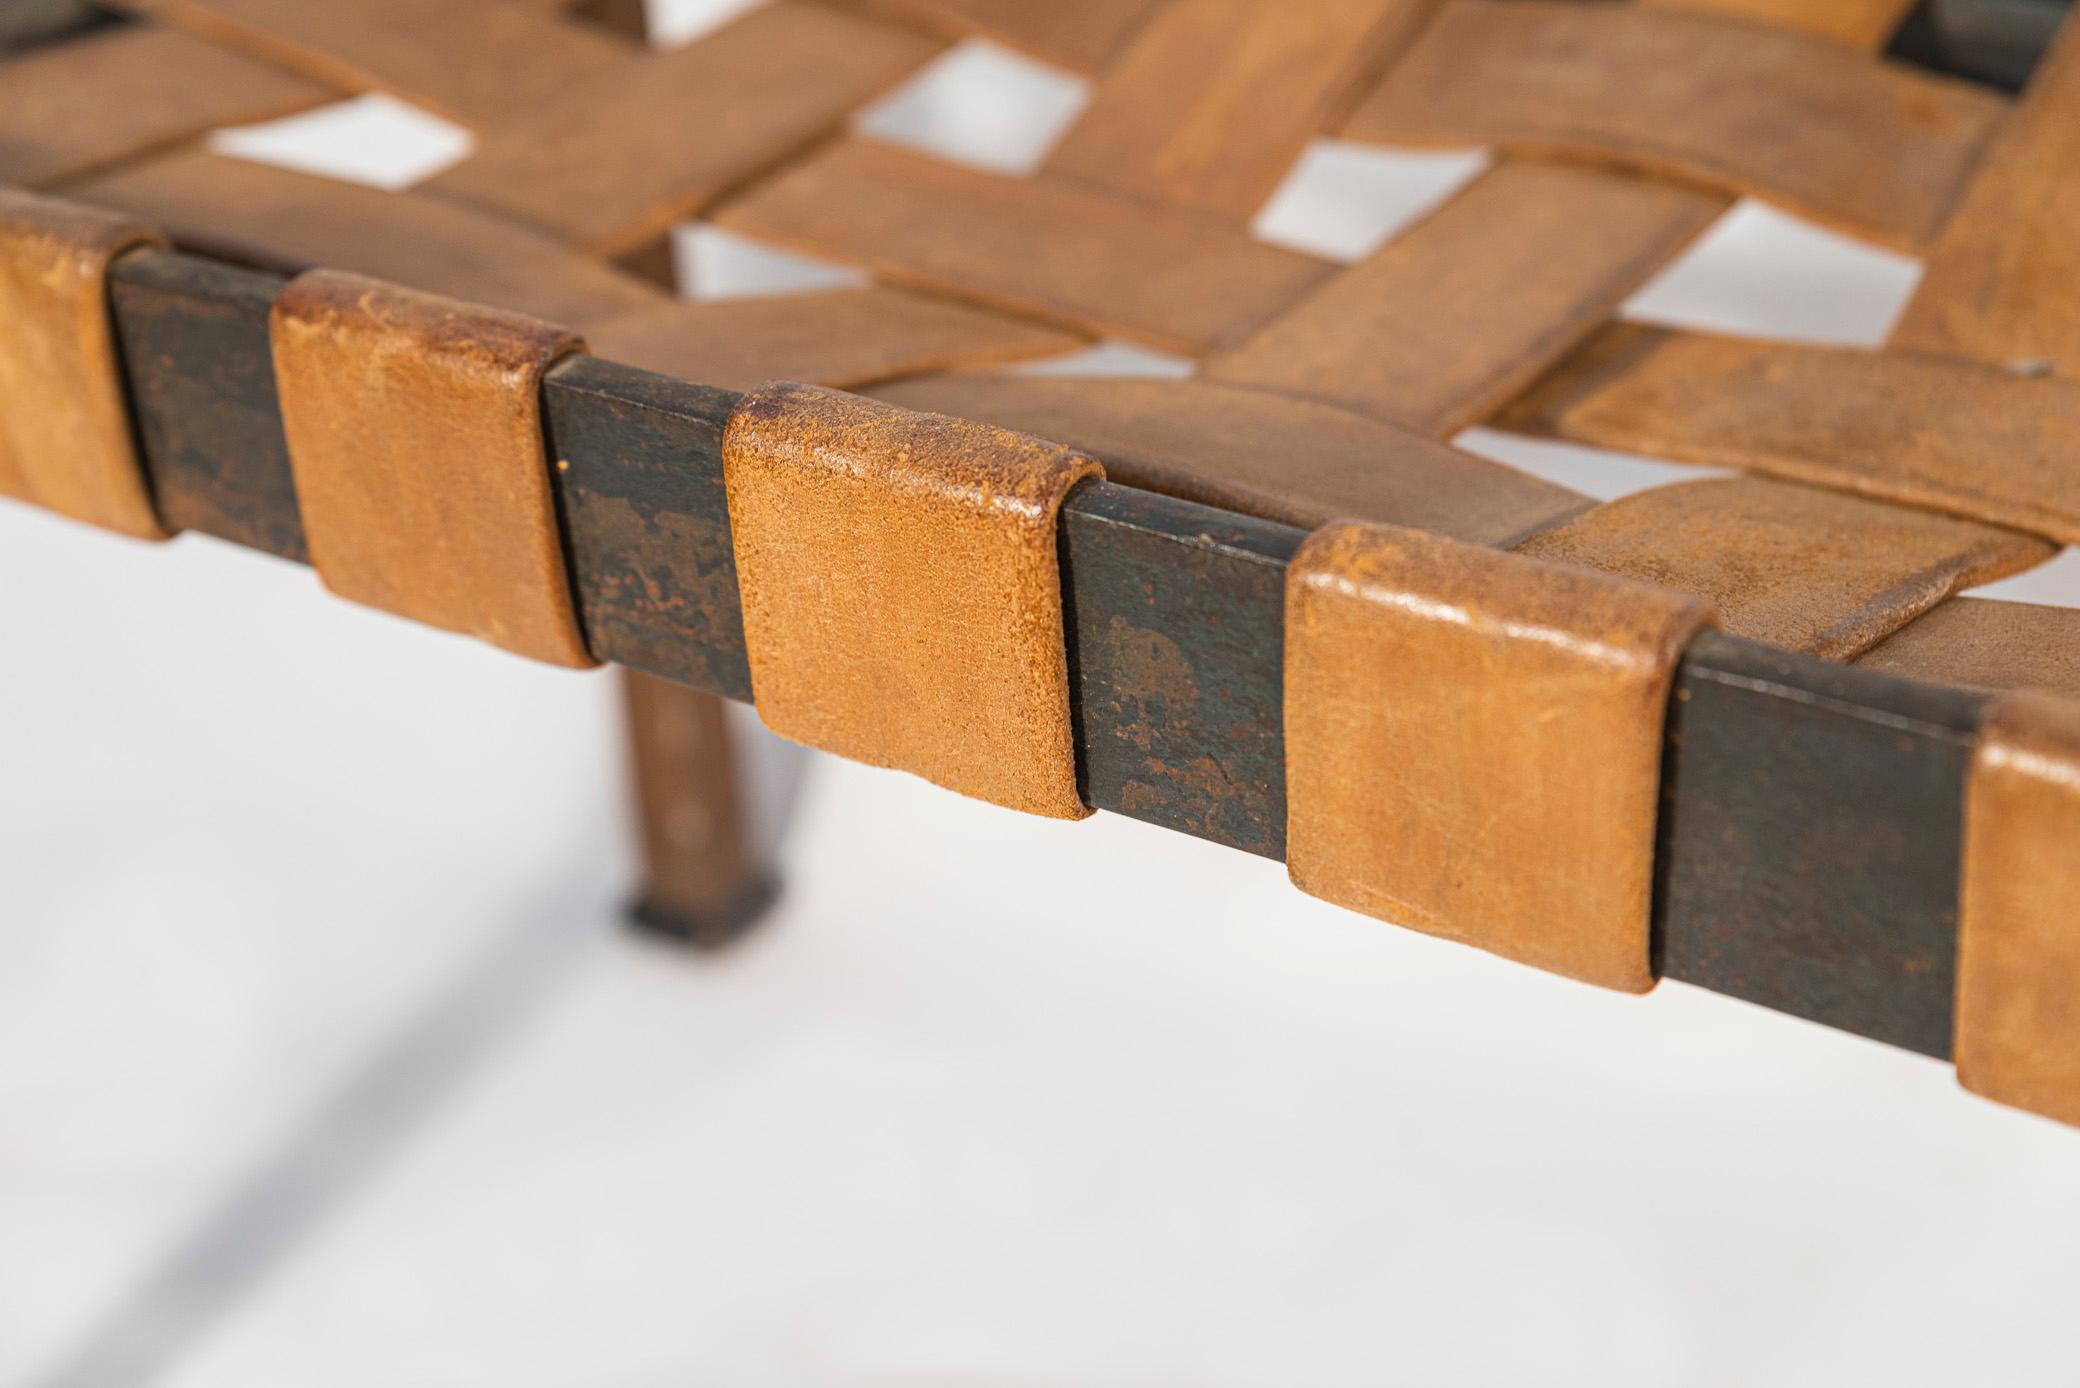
323, 1061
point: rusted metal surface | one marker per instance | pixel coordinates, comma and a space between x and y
705, 878
193, 334
1810, 830
1169, 603
1810, 839
1176, 615
638, 462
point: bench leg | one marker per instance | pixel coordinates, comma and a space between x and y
705, 877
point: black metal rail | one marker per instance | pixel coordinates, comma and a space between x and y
1810, 830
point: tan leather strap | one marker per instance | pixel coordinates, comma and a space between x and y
1953, 435
841, 337
1865, 23
1079, 34
2018, 948
415, 434
1985, 643
901, 592
2000, 280
67, 108
1473, 744
65, 435
1809, 570
1451, 318
1877, 149
1074, 254
1213, 100
293, 221
1242, 450
480, 62
613, 161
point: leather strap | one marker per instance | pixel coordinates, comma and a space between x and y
1809, 570
2018, 953
1082, 35
71, 107
615, 160
1877, 149
1473, 744
1959, 436
415, 433
1213, 100
1235, 448
1985, 643
289, 221
838, 337
1999, 283
1865, 23
66, 442
1448, 320
901, 592
480, 62
1068, 253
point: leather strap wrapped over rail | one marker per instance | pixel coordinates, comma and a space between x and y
415, 434
901, 591
2018, 953
1473, 744
65, 437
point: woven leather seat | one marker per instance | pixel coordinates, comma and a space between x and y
1877, 484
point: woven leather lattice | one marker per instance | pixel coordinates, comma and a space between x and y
1853, 492
1620, 132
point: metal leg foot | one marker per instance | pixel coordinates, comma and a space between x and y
705, 881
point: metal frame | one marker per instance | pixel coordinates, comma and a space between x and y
1812, 813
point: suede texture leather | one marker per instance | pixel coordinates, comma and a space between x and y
1986, 643
1809, 570
1473, 744
415, 434
66, 442
902, 593
2018, 955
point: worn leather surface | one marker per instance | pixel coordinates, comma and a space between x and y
1449, 319
1473, 744
1213, 100
901, 591
479, 62
1810, 570
71, 107
1953, 435
1999, 283
614, 160
1985, 643
1069, 253
839, 337
1865, 23
66, 442
1880, 150
1301, 462
2018, 953
284, 220
1082, 35
415, 434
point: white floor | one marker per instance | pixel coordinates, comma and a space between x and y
322, 1060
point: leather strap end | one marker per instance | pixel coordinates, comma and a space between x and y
1473, 744
902, 593
66, 439
414, 425
2017, 1035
